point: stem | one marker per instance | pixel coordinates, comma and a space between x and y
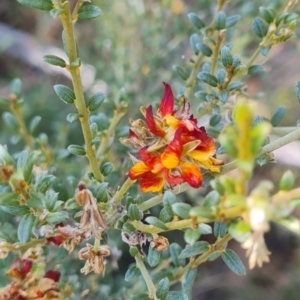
216, 51
22, 127
18, 247
150, 285
283, 196
125, 187
67, 23
283, 130
290, 137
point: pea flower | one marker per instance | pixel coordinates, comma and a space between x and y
171, 147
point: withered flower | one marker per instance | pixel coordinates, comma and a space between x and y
159, 243
91, 216
4, 249
95, 258
134, 238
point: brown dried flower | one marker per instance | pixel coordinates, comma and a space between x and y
159, 243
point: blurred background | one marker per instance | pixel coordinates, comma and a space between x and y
132, 47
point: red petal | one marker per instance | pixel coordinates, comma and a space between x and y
151, 161
54, 275
151, 123
191, 174
151, 182
138, 170
171, 156
167, 102
132, 134
173, 179
57, 240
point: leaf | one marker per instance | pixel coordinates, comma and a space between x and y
50, 199
259, 27
232, 20
54, 60
194, 40
9, 199
265, 50
182, 210
5, 158
95, 101
163, 288
168, 200
208, 78
205, 228
153, 257
188, 279
143, 296
35, 121
164, 216
201, 211
25, 227
57, 217
220, 229
233, 262
175, 251
223, 96
195, 249
268, 14
215, 119
211, 199
100, 192
20, 210
196, 20
278, 116
204, 49
297, 89
177, 296
236, 85
76, 150
221, 75
134, 213
71, 117
43, 182
106, 169
38, 4
191, 235
255, 69
35, 200
220, 22
226, 57
64, 93
287, 181
132, 272
180, 72
87, 12
156, 222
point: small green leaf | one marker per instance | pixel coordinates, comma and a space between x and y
156, 222
4, 103
25, 227
280, 17
221, 75
265, 50
64, 93
168, 200
76, 150
195, 20
43, 182
133, 251
57, 217
180, 72
205, 228
35, 121
259, 27
35, 200
215, 119
163, 288
188, 279
268, 14
297, 89
220, 229
220, 22
10, 121
201, 211
38, 4
287, 181
182, 210
201, 95
134, 213
194, 40
5, 158
9, 199
223, 96
95, 101
208, 78
71, 117
255, 69
153, 257
204, 49
164, 216
54, 60
191, 236
278, 115
195, 249
232, 20
51, 200
100, 192
54, 13
236, 85
132, 272
106, 168
226, 57
143, 296
177, 296
88, 12
211, 199
175, 251
233, 262
20, 210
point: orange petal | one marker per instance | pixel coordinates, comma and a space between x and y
204, 151
173, 179
212, 164
152, 182
167, 102
152, 124
151, 161
138, 170
191, 174
171, 156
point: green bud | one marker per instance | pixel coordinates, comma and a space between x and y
133, 251
287, 181
278, 115
76, 150
106, 169
194, 40
220, 22
134, 213
195, 20
226, 57
255, 69
204, 49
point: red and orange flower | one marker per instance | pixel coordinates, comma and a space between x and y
171, 147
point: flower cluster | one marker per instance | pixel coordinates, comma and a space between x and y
171, 146
27, 285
